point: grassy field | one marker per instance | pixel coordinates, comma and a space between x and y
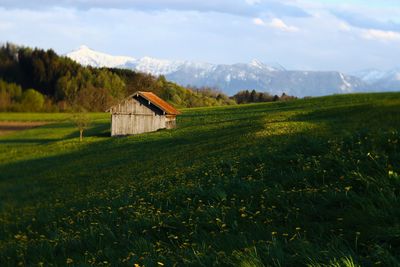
304, 183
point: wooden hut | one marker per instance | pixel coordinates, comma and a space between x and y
141, 112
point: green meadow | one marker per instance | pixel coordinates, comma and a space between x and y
313, 182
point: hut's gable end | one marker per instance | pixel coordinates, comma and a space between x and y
146, 103
131, 106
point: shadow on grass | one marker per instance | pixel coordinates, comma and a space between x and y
112, 153
41, 141
96, 130
217, 139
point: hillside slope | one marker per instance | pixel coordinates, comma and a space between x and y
280, 184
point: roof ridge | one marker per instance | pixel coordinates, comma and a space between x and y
159, 102
156, 100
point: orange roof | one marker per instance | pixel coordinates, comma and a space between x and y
164, 106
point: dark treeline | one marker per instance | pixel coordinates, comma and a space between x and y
39, 80
244, 97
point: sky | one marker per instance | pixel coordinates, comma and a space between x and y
344, 35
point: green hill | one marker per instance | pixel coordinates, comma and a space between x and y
308, 182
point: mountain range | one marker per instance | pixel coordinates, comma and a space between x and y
272, 78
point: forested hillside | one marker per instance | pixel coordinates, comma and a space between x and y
39, 80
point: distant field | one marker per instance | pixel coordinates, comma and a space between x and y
311, 182
21, 116
8, 127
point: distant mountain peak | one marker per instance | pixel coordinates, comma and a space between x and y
267, 66
266, 77
88, 57
84, 47
257, 63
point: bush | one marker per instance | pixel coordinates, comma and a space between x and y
32, 100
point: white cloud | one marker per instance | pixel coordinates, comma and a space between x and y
244, 8
373, 34
322, 40
281, 25
276, 24
343, 26
258, 21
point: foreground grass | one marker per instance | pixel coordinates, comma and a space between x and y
310, 182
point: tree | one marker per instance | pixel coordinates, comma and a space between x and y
94, 99
32, 100
253, 96
10, 93
81, 120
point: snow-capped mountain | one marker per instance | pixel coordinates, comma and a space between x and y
369, 75
380, 80
236, 77
88, 57
272, 78
153, 66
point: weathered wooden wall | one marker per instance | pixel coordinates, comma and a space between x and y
170, 121
132, 117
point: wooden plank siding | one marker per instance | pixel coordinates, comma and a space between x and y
136, 124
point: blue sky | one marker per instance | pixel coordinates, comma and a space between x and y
299, 34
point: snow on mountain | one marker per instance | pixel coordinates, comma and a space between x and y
236, 77
270, 66
370, 75
381, 80
257, 75
153, 66
88, 57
